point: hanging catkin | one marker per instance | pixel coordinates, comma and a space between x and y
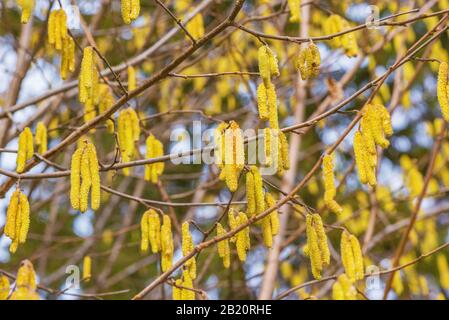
270, 223
25, 288
308, 61
187, 247
154, 149
442, 90
87, 268
85, 177
4, 287
351, 256
17, 219
254, 192
128, 134
343, 289
317, 246
130, 10
166, 244
25, 151
223, 247
41, 137
187, 292
295, 10
27, 7
329, 184
335, 24
150, 227
241, 238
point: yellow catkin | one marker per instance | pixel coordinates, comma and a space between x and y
195, 26
442, 90
154, 230
284, 157
262, 101
234, 155
131, 79
308, 61
343, 289
176, 290
25, 288
27, 7
321, 238
358, 257
135, 9
295, 10
187, 283
313, 248
17, 219
85, 177
219, 144
264, 64
26, 149
87, 268
51, 28
144, 232
166, 244
85, 81
187, 247
41, 137
128, 134
274, 67
126, 10
329, 184
258, 190
443, 270
242, 241
4, 287
67, 57
347, 255
360, 157
154, 149
272, 106
106, 101
270, 224
223, 247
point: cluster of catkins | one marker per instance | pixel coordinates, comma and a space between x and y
25, 151
158, 236
130, 10
335, 24
229, 152
375, 126
84, 177
25, 287
59, 37
17, 219
154, 149
276, 150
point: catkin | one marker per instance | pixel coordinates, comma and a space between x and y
317, 246
4, 287
262, 101
343, 289
329, 184
25, 288
150, 227
17, 219
67, 57
154, 149
195, 26
231, 142
335, 24
128, 134
443, 270
187, 282
308, 61
264, 64
351, 256
87, 268
270, 223
295, 10
27, 7
442, 90
25, 151
85, 177
41, 137
223, 247
187, 247
166, 244
241, 238
131, 79
130, 10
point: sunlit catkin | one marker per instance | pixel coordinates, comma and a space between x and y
329, 184
88, 78
270, 223
343, 289
166, 244
234, 155
27, 7
25, 288
17, 219
67, 57
187, 248
150, 228
443, 270
223, 247
255, 196
85, 177
351, 256
442, 90
318, 249
87, 268
128, 134
154, 149
241, 238
308, 61
132, 84
130, 10
262, 101
4, 287
41, 137
187, 292
25, 151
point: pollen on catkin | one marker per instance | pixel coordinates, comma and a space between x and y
223, 247
351, 256
329, 184
166, 244
233, 155
150, 228
128, 134
17, 219
317, 246
88, 82
187, 247
87, 268
85, 177
27, 7
442, 90
308, 61
25, 288
154, 149
25, 151
41, 137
